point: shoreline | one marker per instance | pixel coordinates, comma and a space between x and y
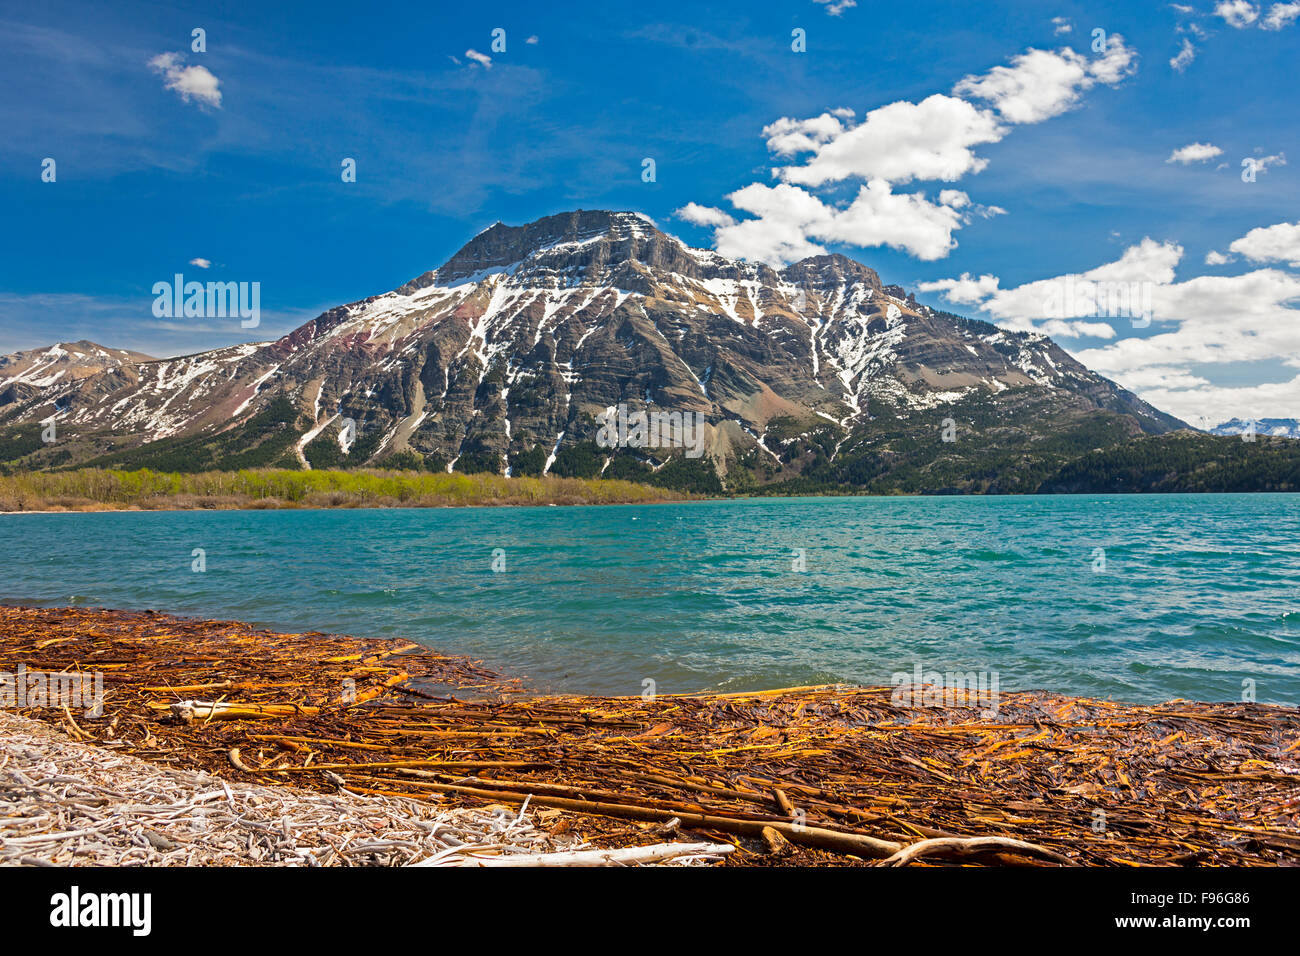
792, 776
134, 508
519, 684
95, 489
91, 491
137, 509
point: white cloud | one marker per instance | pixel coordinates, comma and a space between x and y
1242, 14
1194, 153
531, 40
837, 7
1204, 405
1212, 321
1262, 163
1148, 261
1062, 25
1185, 56
789, 137
898, 143
1216, 258
704, 215
894, 145
779, 235
1278, 243
1281, 15
1070, 329
1204, 323
964, 290
1237, 13
1041, 84
191, 82
789, 217
201, 263
1162, 377
906, 221
482, 59
1050, 305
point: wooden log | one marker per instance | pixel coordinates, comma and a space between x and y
777, 845
187, 711
320, 741
783, 801
397, 764
971, 846
624, 856
857, 844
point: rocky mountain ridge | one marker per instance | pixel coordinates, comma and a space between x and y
505, 357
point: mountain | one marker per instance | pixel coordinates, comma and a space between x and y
1276, 427
24, 374
502, 359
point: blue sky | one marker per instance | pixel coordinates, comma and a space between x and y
966, 154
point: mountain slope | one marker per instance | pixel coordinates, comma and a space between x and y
24, 374
503, 358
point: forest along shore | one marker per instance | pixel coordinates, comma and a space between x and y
814, 775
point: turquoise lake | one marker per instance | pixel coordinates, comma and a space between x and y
1137, 598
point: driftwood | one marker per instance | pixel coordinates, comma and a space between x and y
64, 802
958, 848
857, 844
822, 774
623, 856
188, 711
777, 845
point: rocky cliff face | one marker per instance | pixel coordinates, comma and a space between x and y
505, 357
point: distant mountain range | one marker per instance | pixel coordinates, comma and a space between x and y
816, 377
1277, 427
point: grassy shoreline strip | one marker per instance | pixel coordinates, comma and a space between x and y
95, 489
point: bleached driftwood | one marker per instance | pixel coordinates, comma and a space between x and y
623, 856
64, 802
188, 711
959, 847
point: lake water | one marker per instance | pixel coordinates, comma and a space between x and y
1139, 598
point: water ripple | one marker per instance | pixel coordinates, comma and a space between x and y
1134, 597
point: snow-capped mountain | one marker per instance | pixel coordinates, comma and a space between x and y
503, 357
1276, 427
23, 374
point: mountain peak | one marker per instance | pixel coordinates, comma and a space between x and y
62, 361
598, 239
830, 270
501, 246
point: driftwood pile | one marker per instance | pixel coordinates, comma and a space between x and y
796, 776
67, 803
